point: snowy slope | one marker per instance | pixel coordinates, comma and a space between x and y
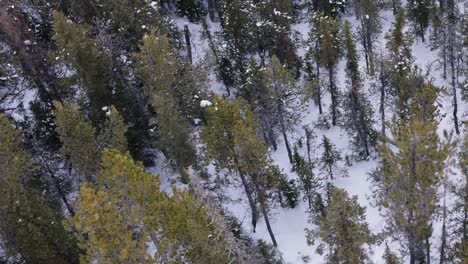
288, 224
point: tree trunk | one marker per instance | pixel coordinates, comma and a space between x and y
250, 198
283, 131
443, 243
211, 10
187, 42
317, 77
264, 211
382, 99
308, 138
333, 95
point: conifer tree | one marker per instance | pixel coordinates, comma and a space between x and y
460, 210
368, 13
79, 146
309, 181
287, 96
158, 68
329, 53
232, 143
29, 226
329, 160
399, 42
420, 12
343, 232
255, 91
112, 134
390, 257
177, 225
92, 67
406, 183
357, 108
192, 9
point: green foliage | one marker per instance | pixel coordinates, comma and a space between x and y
399, 42
343, 232
112, 134
92, 65
192, 9
329, 160
390, 257
158, 68
79, 145
460, 208
289, 190
29, 226
178, 224
357, 108
407, 180
420, 12
308, 180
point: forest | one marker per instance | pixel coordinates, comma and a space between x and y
234, 131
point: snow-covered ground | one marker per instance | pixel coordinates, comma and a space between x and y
289, 224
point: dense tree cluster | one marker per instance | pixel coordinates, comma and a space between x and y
95, 92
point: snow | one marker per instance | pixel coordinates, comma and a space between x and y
205, 103
288, 224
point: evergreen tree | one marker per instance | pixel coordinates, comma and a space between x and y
112, 134
192, 9
368, 13
255, 91
399, 42
390, 257
79, 146
272, 33
107, 225
329, 160
232, 143
157, 67
356, 107
406, 183
29, 226
343, 232
91, 64
460, 210
177, 225
420, 12
309, 181
287, 96
329, 53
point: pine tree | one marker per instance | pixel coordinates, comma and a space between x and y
157, 68
177, 225
112, 134
107, 225
399, 42
29, 226
460, 209
329, 53
272, 33
390, 257
343, 232
192, 9
92, 67
406, 183
356, 107
309, 181
329, 160
79, 146
287, 96
368, 13
232, 143
420, 12
255, 91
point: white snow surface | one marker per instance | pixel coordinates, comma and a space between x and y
289, 224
